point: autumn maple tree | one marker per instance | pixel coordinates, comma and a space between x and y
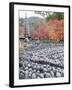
56, 29
53, 31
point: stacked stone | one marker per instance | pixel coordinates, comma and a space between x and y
42, 61
47, 54
31, 70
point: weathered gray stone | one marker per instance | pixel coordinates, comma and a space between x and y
29, 65
45, 69
21, 76
26, 68
35, 66
42, 56
47, 75
25, 63
38, 66
58, 74
30, 74
34, 70
38, 77
41, 75
26, 74
30, 69
33, 76
52, 73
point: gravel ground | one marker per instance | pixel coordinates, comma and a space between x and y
42, 61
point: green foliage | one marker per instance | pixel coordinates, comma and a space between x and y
51, 15
21, 21
42, 13
61, 41
55, 15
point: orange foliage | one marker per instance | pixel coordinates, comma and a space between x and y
56, 29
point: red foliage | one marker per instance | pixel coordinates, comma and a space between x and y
56, 32
21, 31
35, 35
40, 33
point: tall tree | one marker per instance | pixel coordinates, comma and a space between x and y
51, 15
